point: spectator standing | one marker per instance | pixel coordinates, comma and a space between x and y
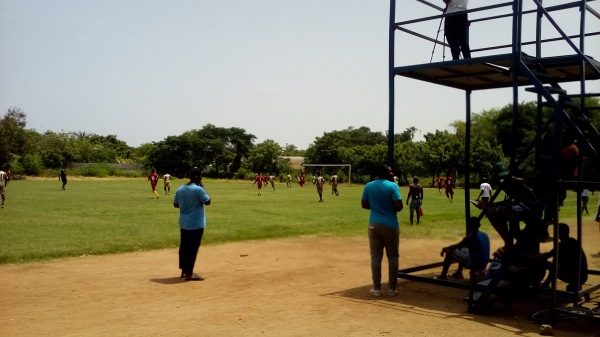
456, 28
191, 199
382, 197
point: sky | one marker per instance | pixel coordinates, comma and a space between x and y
283, 70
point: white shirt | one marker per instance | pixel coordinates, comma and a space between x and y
486, 190
585, 192
456, 6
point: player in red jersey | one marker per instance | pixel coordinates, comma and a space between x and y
439, 181
153, 178
258, 180
449, 185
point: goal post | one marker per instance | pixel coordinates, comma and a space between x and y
334, 165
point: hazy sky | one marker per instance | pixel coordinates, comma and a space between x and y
280, 69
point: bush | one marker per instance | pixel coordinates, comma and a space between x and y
16, 167
243, 174
32, 164
95, 171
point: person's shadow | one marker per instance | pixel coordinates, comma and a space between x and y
168, 280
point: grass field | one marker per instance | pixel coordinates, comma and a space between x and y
42, 222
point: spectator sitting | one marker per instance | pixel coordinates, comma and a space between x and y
473, 252
569, 251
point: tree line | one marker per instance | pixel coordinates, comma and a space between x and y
232, 152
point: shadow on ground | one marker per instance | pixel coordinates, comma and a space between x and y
435, 301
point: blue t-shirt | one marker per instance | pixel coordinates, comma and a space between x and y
479, 250
191, 199
381, 195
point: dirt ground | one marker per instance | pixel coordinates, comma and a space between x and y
287, 287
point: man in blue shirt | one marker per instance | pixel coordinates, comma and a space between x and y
383, 198
473, 252
190, 199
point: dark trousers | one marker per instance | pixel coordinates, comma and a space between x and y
456, 29
383, 237
188, 249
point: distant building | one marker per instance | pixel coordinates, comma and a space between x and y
296, 162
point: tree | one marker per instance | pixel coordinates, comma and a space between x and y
218, 151
331, 148
362, 136
445, 153
515, 138
292, 151
406, 136
365, 159
12, 135
55, 151
409, 159
175, 154
484, 156
266, 158
239, 143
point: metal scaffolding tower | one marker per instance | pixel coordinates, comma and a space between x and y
567, 116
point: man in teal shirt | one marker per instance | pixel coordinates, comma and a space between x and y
383, 198
190, 199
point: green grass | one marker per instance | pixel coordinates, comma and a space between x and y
42, 222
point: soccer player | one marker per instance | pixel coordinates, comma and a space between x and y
415, 190
334, 183
167, 183
289, 181
440, 183
449, 185
153, 178
486, 192
272, 181
319, 182
63, 177
3, 183
258, 180
7, 175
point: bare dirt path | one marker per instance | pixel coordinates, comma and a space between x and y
288, 287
